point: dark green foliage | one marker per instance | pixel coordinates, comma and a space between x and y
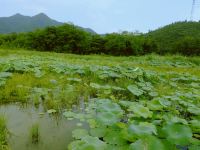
122, 44
97, 44
72, 39
167, 37
178, 38
65, 38
188, 46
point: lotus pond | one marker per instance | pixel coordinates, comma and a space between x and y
62, 101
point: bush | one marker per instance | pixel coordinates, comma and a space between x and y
188, 46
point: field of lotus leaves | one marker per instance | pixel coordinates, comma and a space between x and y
127, 103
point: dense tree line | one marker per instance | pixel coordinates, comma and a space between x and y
71, 39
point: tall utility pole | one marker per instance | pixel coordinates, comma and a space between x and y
192, 11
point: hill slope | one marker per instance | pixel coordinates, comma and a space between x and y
168, 35
20, 23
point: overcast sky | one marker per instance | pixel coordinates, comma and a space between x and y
106, 15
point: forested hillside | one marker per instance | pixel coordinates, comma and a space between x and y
170, 37
177, 38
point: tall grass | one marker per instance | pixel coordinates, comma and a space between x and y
34, 133
3, 134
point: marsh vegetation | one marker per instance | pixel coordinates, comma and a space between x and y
100, 102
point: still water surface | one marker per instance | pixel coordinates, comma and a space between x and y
55, 132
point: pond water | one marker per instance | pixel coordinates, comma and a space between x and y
54, 131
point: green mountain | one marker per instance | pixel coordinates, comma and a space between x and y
167, 36
20, 23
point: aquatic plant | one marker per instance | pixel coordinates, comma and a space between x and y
34, 133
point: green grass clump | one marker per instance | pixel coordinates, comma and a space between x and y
34, 133
3, 134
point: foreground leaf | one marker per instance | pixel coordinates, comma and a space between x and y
135, 90
178, 134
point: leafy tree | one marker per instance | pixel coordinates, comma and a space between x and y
188, 46
97, 44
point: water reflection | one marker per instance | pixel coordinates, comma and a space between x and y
54, 131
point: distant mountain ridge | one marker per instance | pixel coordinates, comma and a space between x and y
20, 23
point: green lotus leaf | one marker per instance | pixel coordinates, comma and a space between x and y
108, 112
153, 94
147, 88
94, 142
80, 116
142, 129
95, 85
74, 79
140, 111
195, 144
79, 133
174, 119
154, 105
116, 88
51, 111
77, 145
98, 132
109, 106
117, 147
125, 103
38, 73
89, 143
127, 135
69, 114
194, 147
178, 134
107, 118
5, 75
148, 143
194, 110
92, 123
114, 138
164, 102
184, 103
135, 90
195, 125
121, 125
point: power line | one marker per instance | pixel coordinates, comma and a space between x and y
195, 9
192, 11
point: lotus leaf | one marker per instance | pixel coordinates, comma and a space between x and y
194, 110
51, 111
79, 133
88, 143
114, 138
154, 105
135, 90
178, 134
140, 111
142, 129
